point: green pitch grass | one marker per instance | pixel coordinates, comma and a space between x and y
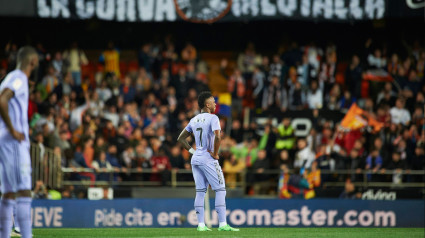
245, 232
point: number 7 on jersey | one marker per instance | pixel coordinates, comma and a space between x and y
200, 135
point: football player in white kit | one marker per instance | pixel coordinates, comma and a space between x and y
205, 127
15, 161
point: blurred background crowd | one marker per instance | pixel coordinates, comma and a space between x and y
97, 112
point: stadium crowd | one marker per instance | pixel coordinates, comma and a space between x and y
116, 121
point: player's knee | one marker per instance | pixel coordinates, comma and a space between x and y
203, 190
24, 193
220, 190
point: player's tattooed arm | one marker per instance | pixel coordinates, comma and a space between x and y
217, 141
5, 97
182, 139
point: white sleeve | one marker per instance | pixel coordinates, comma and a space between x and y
16, 84
189, 127
215, 124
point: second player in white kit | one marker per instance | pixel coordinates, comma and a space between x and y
15, 161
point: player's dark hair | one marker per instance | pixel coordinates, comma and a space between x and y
202, 98
24, 55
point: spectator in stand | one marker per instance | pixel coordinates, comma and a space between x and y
201, 83
181, 83
315, 96
356, 165
418, 116
304, 157
192, 71
231, 168
276, 69
292, 56
96, 105
386, 90
332, 99
176, 159
400, 115
407, 64
80, 162
161, 167
258, 81
77, 112
328, 72
387, 101
121, 141
50, 81
304, 71
376, 60
102, 167
141, 162
143, 81
248, 151
397, 165
342, 161
346, 101
104, 92
88, 152
284, 161
67, 84
248, 60
373, 162
285, 138
420, 65
313, 179
256, 175
420, 98
40, 190
44, 59
298, 183
100, 145
11, 51
59, 137
401, 79
127, 90
350, 191
265, 68
237, 131
57, 63
296, 97
111, 157
236, 87
128, 157
418, 162
189, 53
111, 116
324, 161
73, 59
146, 57
353, 76
393, 65
314, 54
111, 58
147, 150
274, 97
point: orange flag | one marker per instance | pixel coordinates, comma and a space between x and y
356, 119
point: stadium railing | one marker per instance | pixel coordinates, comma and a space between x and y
46, 166
274, 175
